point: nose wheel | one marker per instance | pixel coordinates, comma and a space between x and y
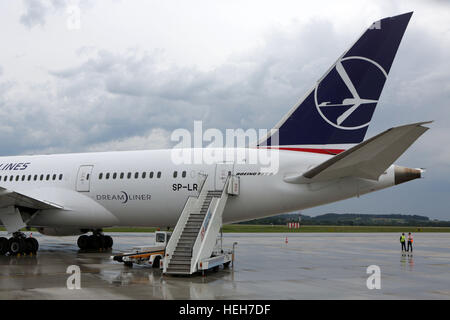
18, 244
96, 241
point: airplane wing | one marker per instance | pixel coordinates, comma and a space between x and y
13, 198
367, 160
10, 216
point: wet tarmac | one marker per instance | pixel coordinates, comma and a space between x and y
308, 266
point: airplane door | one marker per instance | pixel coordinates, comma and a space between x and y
222, 172
84, 178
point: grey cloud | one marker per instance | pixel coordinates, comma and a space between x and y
35, 13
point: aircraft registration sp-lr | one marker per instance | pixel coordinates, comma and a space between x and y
319, 144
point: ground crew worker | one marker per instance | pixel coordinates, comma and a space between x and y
403, 242
410, 242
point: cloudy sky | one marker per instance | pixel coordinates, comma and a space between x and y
127, 73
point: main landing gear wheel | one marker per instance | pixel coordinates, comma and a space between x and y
95, 242
4, 246
18, 244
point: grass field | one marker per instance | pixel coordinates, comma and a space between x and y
303, 229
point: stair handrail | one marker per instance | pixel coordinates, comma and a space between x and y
192, 203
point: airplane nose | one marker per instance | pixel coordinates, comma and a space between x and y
404, 174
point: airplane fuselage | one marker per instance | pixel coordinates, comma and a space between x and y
145, 188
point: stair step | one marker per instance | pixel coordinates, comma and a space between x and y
193, 225
195, 222
191, 232
176, 257
189, 236
195, 218
185, 243
197, 215
177, 271
186, 255
190, 229
184, 247
179, 266
182, 255
182, 263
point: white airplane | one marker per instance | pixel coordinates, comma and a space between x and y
322, 159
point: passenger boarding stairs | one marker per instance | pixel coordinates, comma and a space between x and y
195, 234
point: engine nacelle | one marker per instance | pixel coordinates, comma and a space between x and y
60, 232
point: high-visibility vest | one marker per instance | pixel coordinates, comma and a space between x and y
402, 239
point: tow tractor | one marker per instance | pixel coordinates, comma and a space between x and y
146, 255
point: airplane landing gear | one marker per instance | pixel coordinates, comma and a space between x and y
18, 244
96, 241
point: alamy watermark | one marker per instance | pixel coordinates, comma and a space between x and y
74, 280
73, 21
374, 280
211, 146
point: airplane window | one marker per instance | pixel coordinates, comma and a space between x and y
107, 176
11, 178
17, 178
54, 177
122, 175
29, 177
114, 175
41, 177
35, 177
88, 176
60, 177
100, 176
48, 177
159, 174
151, 175
175, 174
23, 178
136, 175
129, 175
183, 174
143, 175
6, 178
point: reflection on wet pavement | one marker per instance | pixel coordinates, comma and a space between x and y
309, 266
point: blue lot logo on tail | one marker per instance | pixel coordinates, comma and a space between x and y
347, 95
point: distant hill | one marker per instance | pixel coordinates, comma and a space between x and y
352, 219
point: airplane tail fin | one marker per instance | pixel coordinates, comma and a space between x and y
336, 112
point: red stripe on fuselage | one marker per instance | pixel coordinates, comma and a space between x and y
312, 150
